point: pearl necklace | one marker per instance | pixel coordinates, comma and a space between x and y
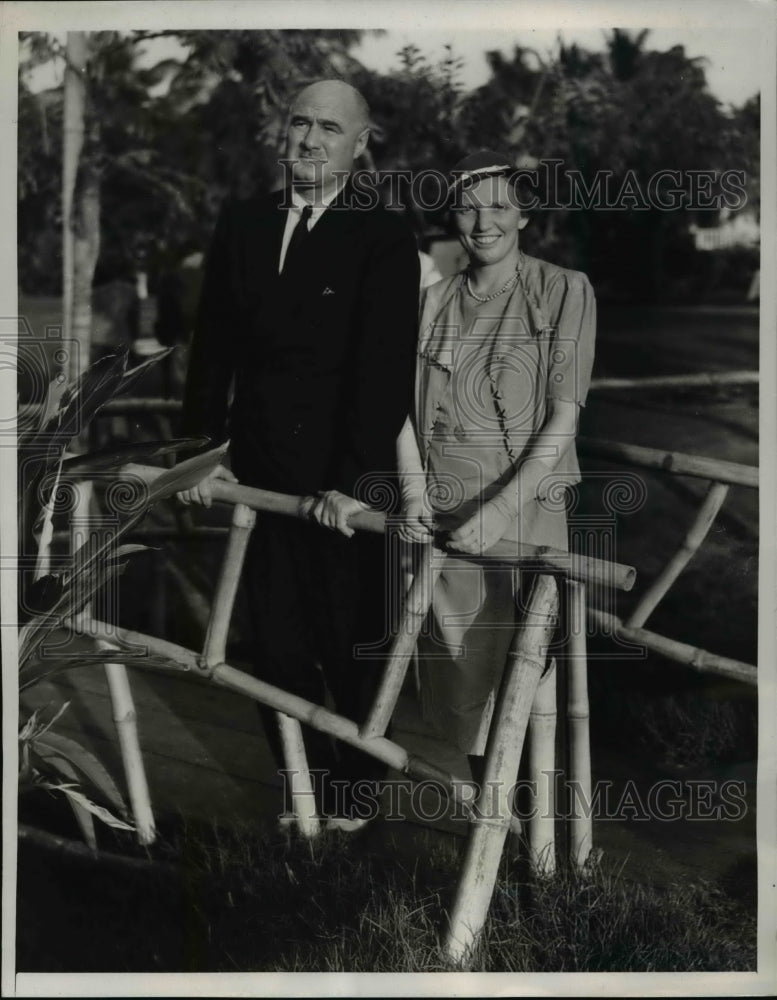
494, 295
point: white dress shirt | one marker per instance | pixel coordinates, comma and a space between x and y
294, 213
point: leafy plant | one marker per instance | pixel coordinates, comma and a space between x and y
51, 600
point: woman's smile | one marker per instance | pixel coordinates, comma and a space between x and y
486, 240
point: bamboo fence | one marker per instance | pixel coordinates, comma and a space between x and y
526, 706
135, 405
517, 702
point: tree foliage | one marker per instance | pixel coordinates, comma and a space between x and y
178, 136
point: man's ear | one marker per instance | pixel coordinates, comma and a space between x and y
361, 142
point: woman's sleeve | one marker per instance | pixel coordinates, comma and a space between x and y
572, 351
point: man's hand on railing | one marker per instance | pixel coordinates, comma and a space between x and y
202, 493
332, 510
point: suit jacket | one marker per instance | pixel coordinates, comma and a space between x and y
322, 356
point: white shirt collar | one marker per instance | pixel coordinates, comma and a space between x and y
321, 203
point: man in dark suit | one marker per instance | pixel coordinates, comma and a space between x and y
309, 308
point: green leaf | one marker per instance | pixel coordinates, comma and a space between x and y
80, 583
46, 411
91, 391
131, 377
41, 596
77, 405
186, 474
76, 762
72, 792
119, 455
85, 822
56, 390
33, 728
91, 565
131, 548
83, 650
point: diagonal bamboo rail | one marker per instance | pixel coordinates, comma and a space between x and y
713, 469
417, 604
713, 501
180, 660
681, 652
243, 520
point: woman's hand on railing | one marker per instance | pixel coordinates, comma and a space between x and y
416, 524
202, 493
484, 529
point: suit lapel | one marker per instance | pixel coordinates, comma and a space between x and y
263, 235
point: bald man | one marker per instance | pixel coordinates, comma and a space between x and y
309, 309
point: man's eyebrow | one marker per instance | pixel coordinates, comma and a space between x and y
304, 116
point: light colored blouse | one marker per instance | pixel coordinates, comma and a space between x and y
540, 346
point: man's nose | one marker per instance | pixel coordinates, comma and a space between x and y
312, 138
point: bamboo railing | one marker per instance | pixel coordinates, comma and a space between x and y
526, 703
720, 476
703, 380
526, 699
678, 463
133, 405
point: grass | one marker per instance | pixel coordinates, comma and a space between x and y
240, 899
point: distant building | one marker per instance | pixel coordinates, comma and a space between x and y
735, 229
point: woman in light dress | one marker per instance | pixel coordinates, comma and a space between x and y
504, 363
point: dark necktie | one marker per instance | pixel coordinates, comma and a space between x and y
298, 236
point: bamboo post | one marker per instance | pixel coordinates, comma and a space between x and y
79, 519
215, 652
542, 761
492, 811
579, 778
215, 649
417, 604
696, 534
125, 719
72, 144
302, 798
122, 703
